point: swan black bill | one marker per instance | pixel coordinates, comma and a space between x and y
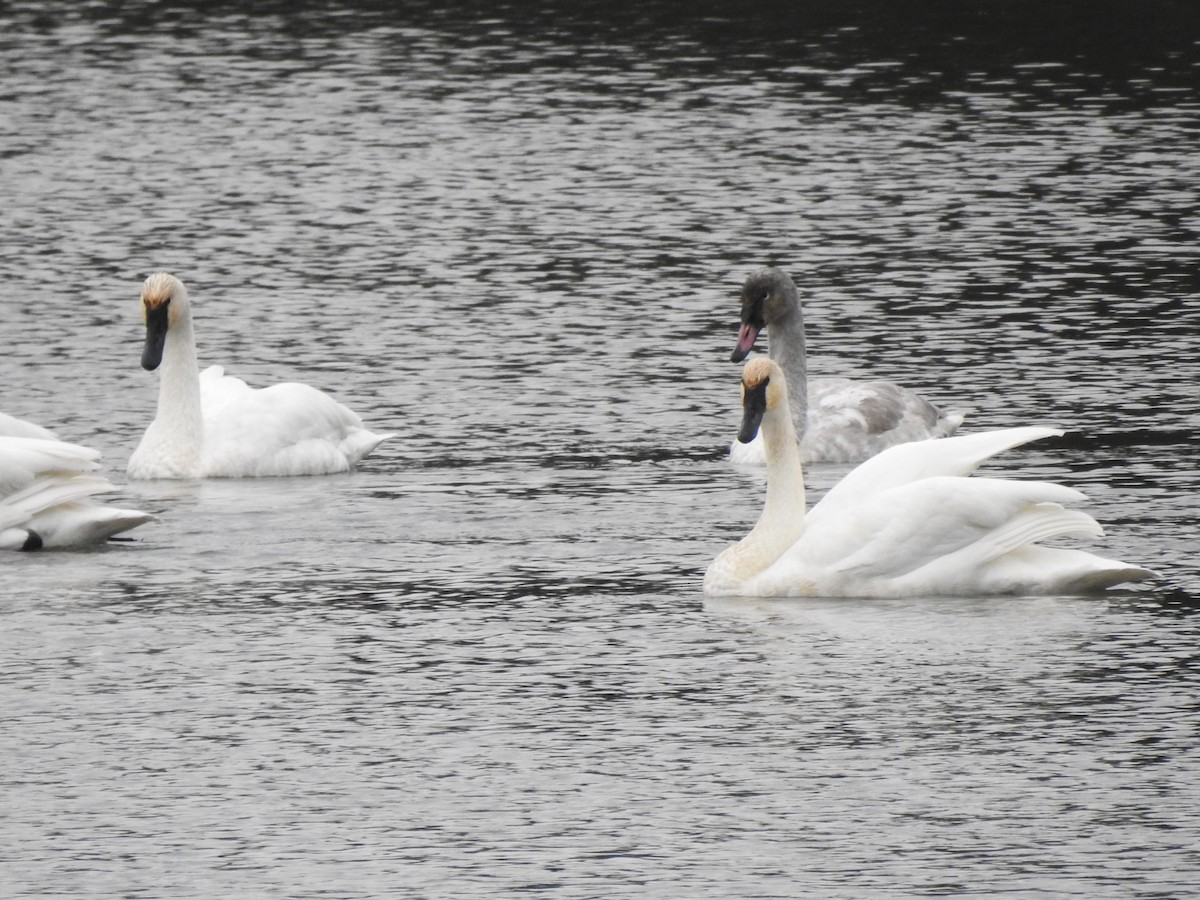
754, 407
156, 336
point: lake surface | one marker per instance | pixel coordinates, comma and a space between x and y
482, 664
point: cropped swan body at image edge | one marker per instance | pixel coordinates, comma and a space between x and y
836, 419
212, 425
907, 522
11, 426
46, 491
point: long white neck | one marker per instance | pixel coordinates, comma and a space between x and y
179, 388
173, 445
782, 519
785, 345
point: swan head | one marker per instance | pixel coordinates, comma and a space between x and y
768, 295
164, 301
763, 390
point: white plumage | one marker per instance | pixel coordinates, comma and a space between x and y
211, 425
11, 426
907, 522
46, 488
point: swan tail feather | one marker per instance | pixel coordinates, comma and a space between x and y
949, 422
79, 524
361, 442
47, 492
1039, 522
1035, 569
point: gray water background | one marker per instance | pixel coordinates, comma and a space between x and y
513, 236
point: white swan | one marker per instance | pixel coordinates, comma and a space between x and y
838, 420
210, 425
44, 496
907, 522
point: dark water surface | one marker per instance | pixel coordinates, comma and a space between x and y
482, 664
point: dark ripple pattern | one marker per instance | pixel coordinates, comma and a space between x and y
481, 665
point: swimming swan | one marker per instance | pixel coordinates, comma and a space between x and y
838, 420
907, 522
211, 425
45, 491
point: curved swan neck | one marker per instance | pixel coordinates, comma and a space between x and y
179, 387
784, 507
782, 519
785, 345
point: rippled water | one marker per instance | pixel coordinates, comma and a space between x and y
482, 663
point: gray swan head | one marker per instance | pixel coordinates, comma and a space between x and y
768, 295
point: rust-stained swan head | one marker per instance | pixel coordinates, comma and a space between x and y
164, 303
763, 390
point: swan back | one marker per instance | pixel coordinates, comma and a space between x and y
11, 426
45, 491
24, 459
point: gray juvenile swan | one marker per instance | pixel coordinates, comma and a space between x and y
907, 522
838, 420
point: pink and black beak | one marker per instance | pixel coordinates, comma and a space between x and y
752, 324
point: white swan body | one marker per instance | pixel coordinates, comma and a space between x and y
45, 491
838, 420
212, 425
907, 522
